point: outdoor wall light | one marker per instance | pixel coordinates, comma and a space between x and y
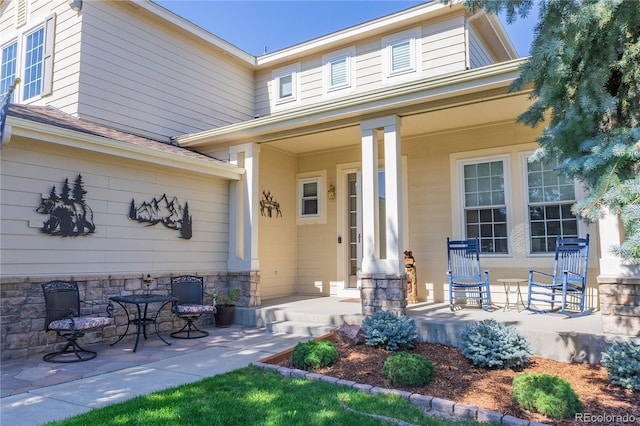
331, 193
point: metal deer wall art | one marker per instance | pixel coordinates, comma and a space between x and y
69, 214
166, 211
269, 206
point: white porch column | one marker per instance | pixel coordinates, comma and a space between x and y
370, 238
393, 196
243, 210
611, 234
371, 262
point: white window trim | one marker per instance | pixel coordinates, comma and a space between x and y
414, 36
276, 75
458, 199
347, 54
46, 88
321, 217
579, 194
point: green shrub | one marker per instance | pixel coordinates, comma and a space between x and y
314, 354
407, 369
546, 394
490, 344
622, 361
389, 331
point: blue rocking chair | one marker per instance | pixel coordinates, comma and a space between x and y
466, 281
566, 285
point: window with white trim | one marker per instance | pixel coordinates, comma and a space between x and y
29, 57
400, 55
485, 204
285, 85
550, 195
8, 68
33, 63
312, 198
338, 70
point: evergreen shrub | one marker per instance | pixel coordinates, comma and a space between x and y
491, 344
407, 369
387, 330
314, 354
622, 361
546, 394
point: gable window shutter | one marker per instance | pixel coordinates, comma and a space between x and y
401, 56
47, 59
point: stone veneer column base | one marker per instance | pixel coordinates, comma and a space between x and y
383, 292
620, 305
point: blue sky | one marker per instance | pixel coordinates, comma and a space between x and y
255, 25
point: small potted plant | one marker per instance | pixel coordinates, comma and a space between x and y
225, 307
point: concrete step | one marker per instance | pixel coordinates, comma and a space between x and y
300, 328
262, 317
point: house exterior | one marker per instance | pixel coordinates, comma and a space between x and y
308, 171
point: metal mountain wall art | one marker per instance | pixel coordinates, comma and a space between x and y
166, 211
69, 214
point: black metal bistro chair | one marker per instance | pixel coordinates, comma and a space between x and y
63, 315
189, 292
566, 285
467, 283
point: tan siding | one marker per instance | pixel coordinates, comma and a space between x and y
431, 203
277, 250
119, 244
444, 47
173, 84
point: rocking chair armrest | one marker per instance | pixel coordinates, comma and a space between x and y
533, 271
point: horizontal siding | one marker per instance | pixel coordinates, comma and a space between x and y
278, 249
479, 55
119, 244
172, 85
442, 47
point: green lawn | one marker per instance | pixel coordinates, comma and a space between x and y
252, 396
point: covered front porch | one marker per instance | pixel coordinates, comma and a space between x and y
554, 336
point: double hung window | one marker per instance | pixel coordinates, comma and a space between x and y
550, 197
8, 68
30, 57
485, 205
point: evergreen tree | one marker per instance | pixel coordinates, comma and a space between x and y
584, 72
78, 190
65, 192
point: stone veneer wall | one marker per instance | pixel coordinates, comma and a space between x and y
620, 305
381, 292
22, 309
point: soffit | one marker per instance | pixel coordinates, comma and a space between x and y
444, 119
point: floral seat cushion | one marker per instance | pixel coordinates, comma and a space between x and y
79, 323
194, 309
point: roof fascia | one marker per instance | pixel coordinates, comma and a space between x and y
78, 140
195, 30
415, 14
450, 86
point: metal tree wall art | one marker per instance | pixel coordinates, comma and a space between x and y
269, 205
69, 214
164, 211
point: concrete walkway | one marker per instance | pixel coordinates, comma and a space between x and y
35, 392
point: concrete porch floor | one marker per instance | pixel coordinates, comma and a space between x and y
553, 335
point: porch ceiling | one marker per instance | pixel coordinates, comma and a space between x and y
415, 122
